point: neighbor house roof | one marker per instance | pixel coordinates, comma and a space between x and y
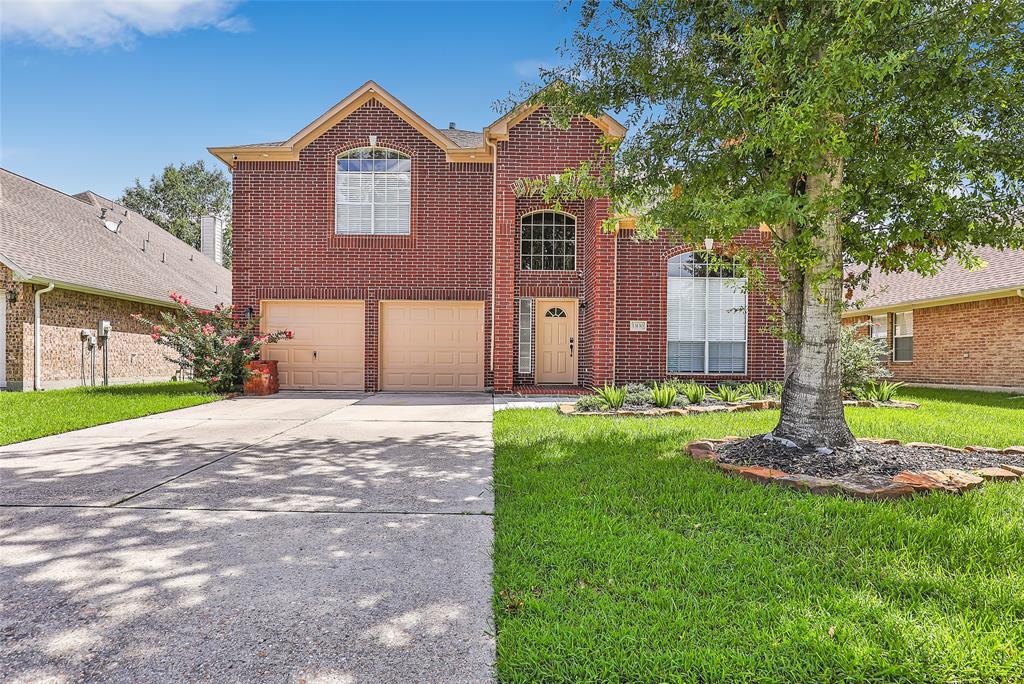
1002, 273
48, 236
458, 145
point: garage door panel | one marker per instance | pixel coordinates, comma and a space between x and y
326, 350
432, 345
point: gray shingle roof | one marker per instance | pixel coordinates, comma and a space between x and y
47, 235
463, 138
1002, 270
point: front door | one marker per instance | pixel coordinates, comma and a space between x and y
557, 341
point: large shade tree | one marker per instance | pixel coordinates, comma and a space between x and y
883, 133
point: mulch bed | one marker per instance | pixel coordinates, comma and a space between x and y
873, 469
867, 458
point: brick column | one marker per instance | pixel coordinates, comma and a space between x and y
504, 295
599, 289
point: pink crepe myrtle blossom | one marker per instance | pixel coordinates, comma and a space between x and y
209, 329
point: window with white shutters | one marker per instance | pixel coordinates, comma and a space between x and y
707, 316
903, 336
372, 192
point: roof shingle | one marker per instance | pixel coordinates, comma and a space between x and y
48, 235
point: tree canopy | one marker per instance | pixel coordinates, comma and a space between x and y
181, 195
886, 133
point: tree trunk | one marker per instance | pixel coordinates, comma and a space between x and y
812, 403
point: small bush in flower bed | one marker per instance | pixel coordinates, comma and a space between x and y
637, 396
211, 345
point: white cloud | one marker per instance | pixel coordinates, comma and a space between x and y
112, 23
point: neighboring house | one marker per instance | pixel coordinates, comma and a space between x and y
104, 263
960, 327
402, 259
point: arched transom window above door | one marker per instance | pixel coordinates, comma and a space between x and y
555, 312
707, 315
547, 242
372, 192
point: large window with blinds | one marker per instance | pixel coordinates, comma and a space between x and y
372, 191
707, 316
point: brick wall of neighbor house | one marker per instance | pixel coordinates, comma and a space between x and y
972, 343
133, 356
285, 246
641, 296
18, 313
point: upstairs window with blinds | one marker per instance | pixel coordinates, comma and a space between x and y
707, 316
372, 192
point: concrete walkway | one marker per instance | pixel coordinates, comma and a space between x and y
325, 537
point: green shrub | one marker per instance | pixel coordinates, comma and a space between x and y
611, 396
637, 394
756, 390
693, 392
589, 402
878, 391
664, 395
211, 345
730, 394
862, 359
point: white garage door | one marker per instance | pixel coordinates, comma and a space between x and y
432, 345
326, 352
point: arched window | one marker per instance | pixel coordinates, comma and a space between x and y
707, 315
372, 192
548, 242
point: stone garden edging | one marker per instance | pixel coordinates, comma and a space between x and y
752, 405
903, 484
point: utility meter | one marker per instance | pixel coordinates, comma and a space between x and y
103, 329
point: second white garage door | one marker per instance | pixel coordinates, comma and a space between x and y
326, 352
432, 345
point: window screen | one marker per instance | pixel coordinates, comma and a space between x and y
903, 336
707, 316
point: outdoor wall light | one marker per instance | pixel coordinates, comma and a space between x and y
709, 244
12, 296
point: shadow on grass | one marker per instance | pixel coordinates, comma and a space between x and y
617, 558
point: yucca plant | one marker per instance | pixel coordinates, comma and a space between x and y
878, 391
694, 393
730, 394
664, 395
756, 390
612, 396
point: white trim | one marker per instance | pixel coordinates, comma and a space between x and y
3, 338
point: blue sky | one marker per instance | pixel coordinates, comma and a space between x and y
93, 96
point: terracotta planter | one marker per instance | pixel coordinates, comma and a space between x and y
264, 380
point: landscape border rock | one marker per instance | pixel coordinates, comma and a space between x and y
869, 487
735, 407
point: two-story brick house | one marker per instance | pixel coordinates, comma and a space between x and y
403, 259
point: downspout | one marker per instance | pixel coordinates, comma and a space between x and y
37, 347
494, 243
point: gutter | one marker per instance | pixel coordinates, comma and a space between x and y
37, 347
937, 301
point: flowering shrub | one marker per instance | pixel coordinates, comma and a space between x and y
212, 345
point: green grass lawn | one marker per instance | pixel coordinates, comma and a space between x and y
616, 559
27, 415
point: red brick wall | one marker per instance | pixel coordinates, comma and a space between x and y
133, 356
536, 149
973, 343
283, 229
642, 293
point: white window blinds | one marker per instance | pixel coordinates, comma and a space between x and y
373, 193
707, 317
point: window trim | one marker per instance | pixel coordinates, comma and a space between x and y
707, 340
575, 242
373, 232
903, 337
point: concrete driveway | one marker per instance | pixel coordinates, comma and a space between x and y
301, 537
